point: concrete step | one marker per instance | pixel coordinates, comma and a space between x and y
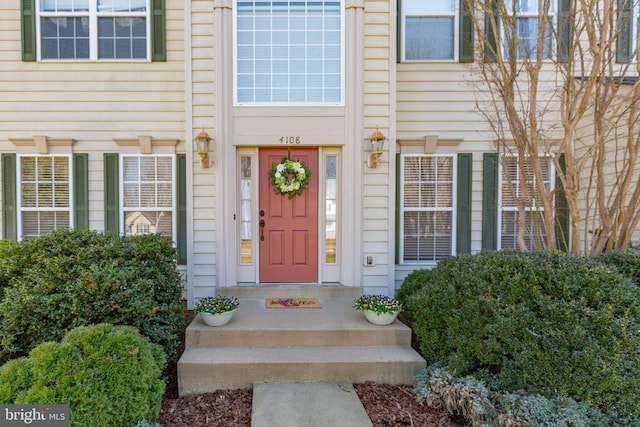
334, 343
202, 370
337, 323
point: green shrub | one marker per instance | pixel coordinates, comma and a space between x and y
71, 278
627, 261
411, 285
546, 323
108, 375
7, 261
472, 401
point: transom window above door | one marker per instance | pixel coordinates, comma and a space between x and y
94, 29
289, 52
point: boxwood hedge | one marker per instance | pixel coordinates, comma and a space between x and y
542, 322
108, 375
73, 278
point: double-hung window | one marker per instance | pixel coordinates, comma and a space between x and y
44, 191
514, 189
427, 217
289, 52
94, 29
429, 30
522, 35
148, 194
627, 16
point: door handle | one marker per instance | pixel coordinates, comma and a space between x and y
262, 230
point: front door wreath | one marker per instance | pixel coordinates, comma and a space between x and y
289, 177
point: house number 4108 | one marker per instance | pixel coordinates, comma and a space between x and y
290, 140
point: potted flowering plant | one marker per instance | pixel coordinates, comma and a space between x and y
218, 310
378, 309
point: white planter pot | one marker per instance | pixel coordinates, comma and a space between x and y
380, 319
218, 319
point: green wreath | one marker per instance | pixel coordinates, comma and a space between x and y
289, 177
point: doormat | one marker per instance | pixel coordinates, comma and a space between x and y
293, 303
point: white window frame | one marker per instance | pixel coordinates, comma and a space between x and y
502, 208
174, 208
452, 208
330, 271
456, 31
553, 15
237, 102
633, 55
21, 209
92, 15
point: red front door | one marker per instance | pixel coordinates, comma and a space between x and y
289, 237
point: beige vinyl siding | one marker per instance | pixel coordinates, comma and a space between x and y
92, 103
615, 153
378, 187
205, 181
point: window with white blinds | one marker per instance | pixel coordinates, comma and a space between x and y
148, 196
427, 219
512, 189
44, 195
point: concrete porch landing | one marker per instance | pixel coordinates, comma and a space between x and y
334, 343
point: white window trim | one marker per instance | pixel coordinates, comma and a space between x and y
633, 55
341, 103
329, 272
553, 7
502, 208
174, 207
456, 33
93, 16
20, 209
453, 209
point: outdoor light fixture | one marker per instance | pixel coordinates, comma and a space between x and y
202, 147
376, 140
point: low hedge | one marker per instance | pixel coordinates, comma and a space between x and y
627, 261
108, 375
73, 278
411, 285
544, 322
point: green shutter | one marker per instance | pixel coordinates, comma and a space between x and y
28, 23
158, 31
463, 221
111, 197
181, 197
491, 34
562, 210
399, 23
466, 31
9, 201
625, 31
81, 191
564, 29
399, 169
490, 182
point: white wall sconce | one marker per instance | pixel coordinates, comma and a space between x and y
376, 140
202, 147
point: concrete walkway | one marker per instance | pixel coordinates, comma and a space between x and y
307, 405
